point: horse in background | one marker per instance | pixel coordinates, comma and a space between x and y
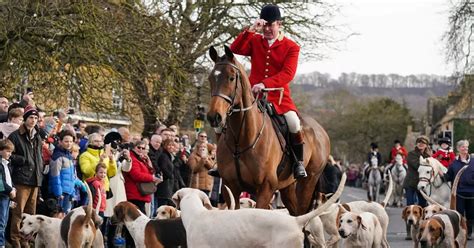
374, 179
399, 171
431, 180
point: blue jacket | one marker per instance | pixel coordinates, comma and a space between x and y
466, 182
61, 174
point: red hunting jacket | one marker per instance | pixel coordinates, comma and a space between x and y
273, 66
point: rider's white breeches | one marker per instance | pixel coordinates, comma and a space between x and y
293, 121
294, 124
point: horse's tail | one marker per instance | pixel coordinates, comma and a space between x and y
303, 220
454, 188
389, 191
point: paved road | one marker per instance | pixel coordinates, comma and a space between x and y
396, 227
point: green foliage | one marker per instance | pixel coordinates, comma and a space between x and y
356, 124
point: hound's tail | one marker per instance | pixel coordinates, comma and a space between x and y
454, 188
231, 197
389, 190
89, 209
430, 200
304, 219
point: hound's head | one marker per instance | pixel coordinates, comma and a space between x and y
31, 224
166, 212
247, 203
191, 194
125, 211
431, 232
348, 222
412, 214
430, 210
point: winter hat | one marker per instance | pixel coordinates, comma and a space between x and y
270, 13
30, 110
423, 139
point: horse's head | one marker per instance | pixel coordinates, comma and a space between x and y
227, 80
425, 174
398, 159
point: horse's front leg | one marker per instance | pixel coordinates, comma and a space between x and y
264, 195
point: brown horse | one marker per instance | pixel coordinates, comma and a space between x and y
248, 151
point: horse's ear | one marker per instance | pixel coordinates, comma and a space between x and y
213, 53
229, 53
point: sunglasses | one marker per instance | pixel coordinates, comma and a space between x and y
203, 136
141, 147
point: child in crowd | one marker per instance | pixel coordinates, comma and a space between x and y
97, 186
445, 154
7, 191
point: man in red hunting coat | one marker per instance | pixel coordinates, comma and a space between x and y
274, 60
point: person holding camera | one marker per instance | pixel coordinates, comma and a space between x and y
96, 153
201, 160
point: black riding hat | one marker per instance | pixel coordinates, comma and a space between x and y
270, 13
444, 140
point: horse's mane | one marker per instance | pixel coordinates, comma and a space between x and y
436, 165
244, 78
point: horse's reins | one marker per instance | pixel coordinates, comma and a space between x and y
231, 100
428, 179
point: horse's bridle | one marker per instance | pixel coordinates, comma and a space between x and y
426, 179
231, 99
232, 109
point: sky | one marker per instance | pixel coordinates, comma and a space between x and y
394, 36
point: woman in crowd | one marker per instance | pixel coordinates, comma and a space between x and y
165, 162
140, 172
411, 180
201, 161
465, 190
95, 154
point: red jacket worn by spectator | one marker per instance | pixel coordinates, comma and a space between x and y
274, 66
98, 189
446, 157
140, 173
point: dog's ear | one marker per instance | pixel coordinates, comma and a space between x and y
340, 212
119, 213
41, 219
360, 223
23, 216
405, 213
422, 212
176, 197
172, 212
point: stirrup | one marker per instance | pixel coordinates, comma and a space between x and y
214, 172
299, 171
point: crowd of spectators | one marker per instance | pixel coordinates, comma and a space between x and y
48, 160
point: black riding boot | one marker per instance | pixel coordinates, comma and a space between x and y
298, 167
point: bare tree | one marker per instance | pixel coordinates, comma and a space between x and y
459, 37
149, 52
